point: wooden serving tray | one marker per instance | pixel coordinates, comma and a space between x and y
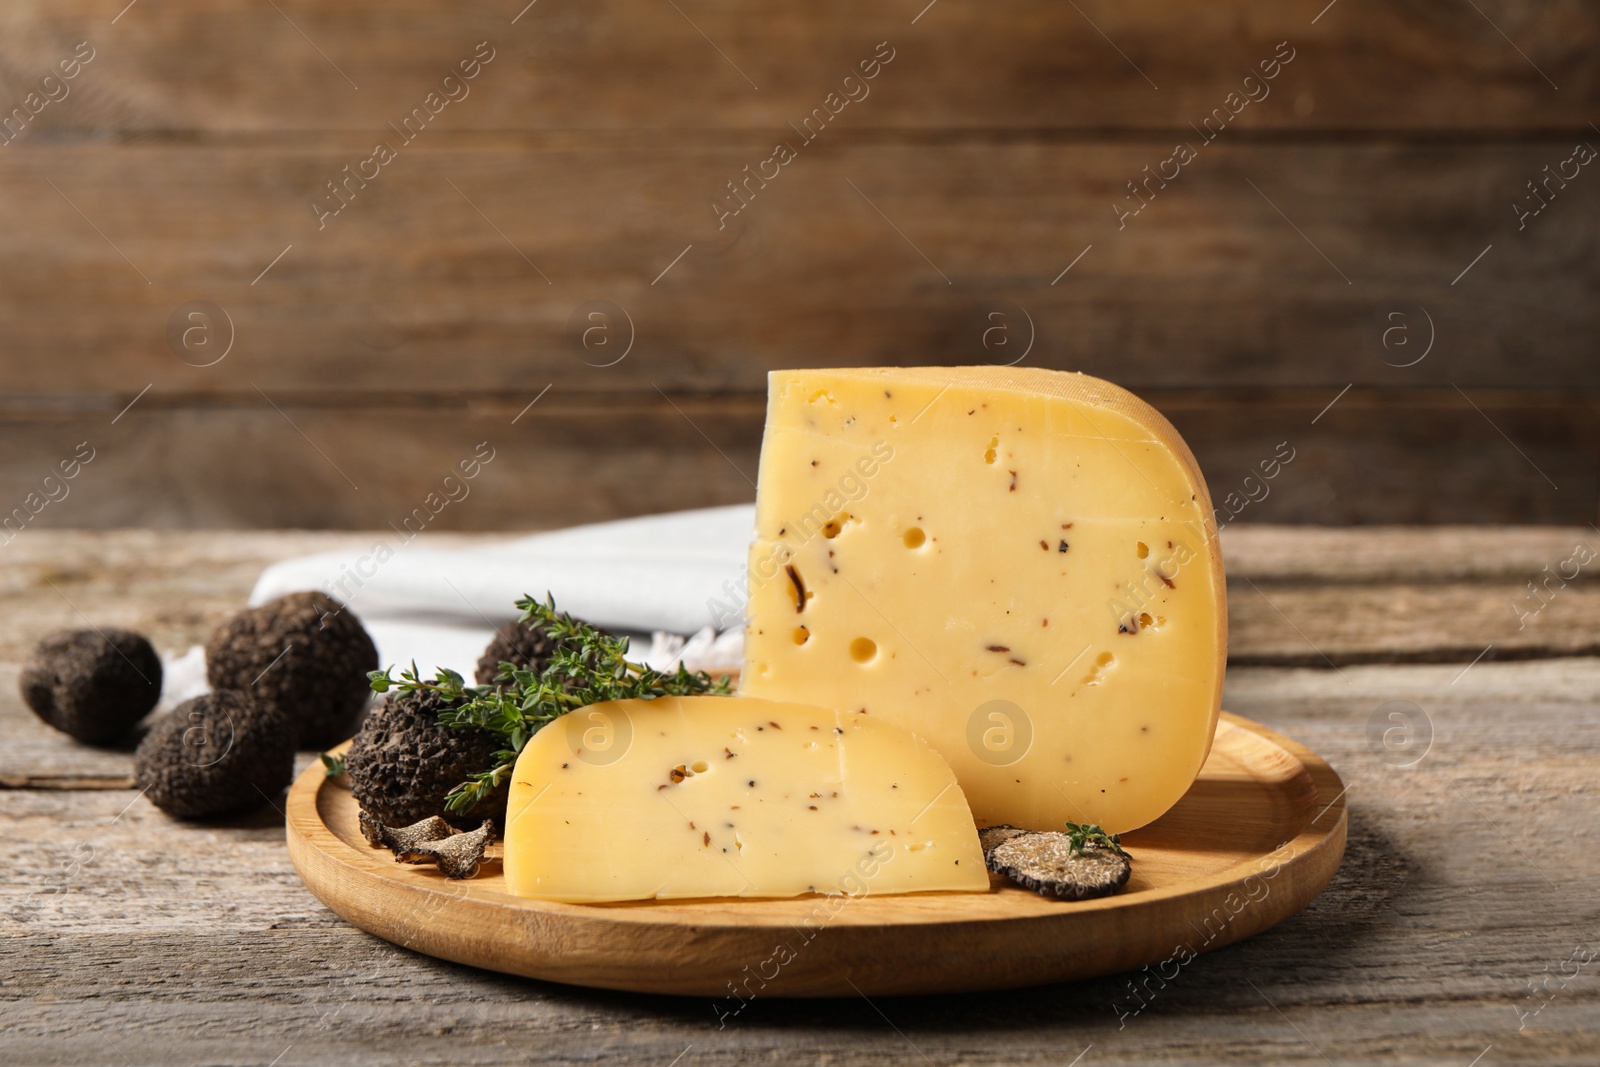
1254, 840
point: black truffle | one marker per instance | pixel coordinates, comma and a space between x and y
525, 644
991, 836
431, 841
92, 684
218, 754
458, 855
402, 841
402, 763
303, 652
1046, 863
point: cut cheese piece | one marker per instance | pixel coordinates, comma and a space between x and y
1020, 565
733, 797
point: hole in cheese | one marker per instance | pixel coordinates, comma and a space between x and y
699, 766
863, 649
914, 537
1103, 662
801, 635
1142, 549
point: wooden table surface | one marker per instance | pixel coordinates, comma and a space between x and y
174, 197
1460, 930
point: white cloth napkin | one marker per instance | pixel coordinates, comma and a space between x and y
669, 575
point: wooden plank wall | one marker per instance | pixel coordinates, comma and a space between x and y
1348, 238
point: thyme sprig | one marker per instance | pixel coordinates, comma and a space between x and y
586, 667
1080, 834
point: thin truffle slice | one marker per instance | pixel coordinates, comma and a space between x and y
402, 841
1046, 864
990, 836
458, 855
93, 684
305, 652
432, 841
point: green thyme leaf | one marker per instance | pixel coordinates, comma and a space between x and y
587, 667
1080, 834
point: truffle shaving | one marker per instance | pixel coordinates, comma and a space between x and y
990, 836
402, 841
1046, 864
432, 841
458, 855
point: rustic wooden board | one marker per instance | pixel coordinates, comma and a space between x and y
1205, 874
1021, 64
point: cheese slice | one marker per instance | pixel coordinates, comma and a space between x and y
1021, 565
733, 797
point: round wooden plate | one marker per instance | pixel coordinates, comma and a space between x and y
1256, 839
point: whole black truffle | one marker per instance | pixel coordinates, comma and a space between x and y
92, 684
402, 763
525, 644
516, 642
303, 652
218, 754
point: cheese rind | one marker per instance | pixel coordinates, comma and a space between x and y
1020, 565
733, 797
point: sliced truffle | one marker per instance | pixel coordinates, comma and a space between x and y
458, 855
1046, 864
403, 763
304, 652
93, 684
524, 644
990, 836
402, 841
432, 841
219, 754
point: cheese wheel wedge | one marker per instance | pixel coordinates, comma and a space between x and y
1021, 565
733, 797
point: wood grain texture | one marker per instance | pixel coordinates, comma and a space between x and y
1355, 591
1297, 596
417, 288
627, 64
998, 142
1253, 841
572, 458
183, 943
